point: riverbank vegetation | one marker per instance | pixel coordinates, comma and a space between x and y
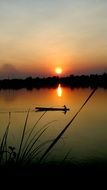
93, 81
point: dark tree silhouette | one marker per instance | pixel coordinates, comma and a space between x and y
93, 80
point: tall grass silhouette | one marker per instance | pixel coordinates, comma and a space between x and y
3, 146
27, 147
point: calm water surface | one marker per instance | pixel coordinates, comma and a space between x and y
86, 137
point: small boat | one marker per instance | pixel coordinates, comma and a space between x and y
64, 108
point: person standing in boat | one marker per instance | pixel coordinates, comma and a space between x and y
65, 107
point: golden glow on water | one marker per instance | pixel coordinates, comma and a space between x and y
59, 90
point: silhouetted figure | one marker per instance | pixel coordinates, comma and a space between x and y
65, 107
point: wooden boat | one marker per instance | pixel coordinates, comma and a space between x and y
64, 108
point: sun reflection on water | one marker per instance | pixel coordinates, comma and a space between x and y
59, 90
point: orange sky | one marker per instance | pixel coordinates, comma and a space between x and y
38, 36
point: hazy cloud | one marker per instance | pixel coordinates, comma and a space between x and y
9, 71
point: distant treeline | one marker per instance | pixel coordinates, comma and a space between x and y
93, 80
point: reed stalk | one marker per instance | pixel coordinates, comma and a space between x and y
3, 146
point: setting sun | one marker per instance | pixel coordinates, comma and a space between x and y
58, 70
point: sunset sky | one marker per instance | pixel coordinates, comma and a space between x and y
36, 36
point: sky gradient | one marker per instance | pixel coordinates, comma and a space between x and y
36, 36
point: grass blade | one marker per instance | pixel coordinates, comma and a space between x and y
33, 129
3, 146
32, 141
23, 135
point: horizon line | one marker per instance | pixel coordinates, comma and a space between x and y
56, 76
